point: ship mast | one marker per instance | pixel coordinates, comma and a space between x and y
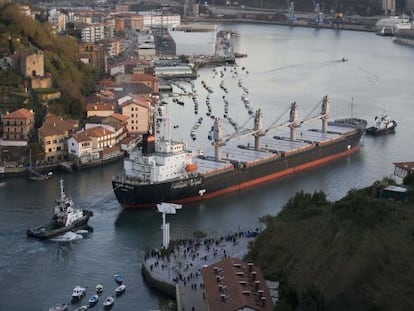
293, 121
217, 138
325, 114
258, 128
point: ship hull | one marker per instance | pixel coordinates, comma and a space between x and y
240, 177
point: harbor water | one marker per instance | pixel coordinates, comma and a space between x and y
284, 64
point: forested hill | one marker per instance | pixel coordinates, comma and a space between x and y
22, 33
354, 254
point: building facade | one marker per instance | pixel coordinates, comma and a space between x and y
17, 127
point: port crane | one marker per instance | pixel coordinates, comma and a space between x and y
291, 11
258, 131
339, 15
318, 17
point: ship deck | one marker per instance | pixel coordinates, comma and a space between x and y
270, 144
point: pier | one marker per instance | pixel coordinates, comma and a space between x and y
176, 271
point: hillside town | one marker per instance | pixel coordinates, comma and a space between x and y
132, 66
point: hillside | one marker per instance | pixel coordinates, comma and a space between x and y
73, 78
354, 254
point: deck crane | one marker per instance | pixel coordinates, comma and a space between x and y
220, 140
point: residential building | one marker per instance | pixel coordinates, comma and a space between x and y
138, 110
232, 285
113, 46
149, 80
388, 7
93, 32
17, 127
93, 144
53, 136
100, 109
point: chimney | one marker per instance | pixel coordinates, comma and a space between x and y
223, 297
250, 264
220, 288
216, 270
256, 285
217, 279
261, 293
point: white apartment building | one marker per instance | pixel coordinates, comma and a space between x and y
93, 32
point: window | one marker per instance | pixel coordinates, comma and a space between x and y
54, 141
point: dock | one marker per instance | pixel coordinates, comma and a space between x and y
177, 271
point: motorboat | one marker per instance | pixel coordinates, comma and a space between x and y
93, 300
78, 292
82, 308
108, 303
118, 279
120, 290
99, 289
59, 307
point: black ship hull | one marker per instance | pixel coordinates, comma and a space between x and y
242, 176
46, 232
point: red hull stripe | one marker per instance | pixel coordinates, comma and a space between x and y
255, 182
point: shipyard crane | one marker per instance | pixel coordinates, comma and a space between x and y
291, 11
339, 15
318, 18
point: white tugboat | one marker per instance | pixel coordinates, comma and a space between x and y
66, 218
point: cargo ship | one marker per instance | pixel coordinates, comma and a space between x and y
164, 170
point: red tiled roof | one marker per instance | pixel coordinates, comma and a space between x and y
98, 131
22, 113
100, 107
81, 137
409, 166
232, 284
119, 117
53, 125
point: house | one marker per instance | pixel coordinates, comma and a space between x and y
232, 284
100, 109
17, 127
149, 80
138, 110
53, 136
94, 144
402, 169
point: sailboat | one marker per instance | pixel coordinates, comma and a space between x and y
33, 174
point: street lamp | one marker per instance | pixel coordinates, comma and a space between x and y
166, 208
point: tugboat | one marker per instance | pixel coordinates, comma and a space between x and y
66, 218
382, 126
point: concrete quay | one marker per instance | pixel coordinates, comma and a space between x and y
177, 271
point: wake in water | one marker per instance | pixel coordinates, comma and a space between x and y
68, 237
303, 65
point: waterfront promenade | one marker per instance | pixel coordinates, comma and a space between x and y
177, 271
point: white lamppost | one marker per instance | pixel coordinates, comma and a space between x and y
166, 208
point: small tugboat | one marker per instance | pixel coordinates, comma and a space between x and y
382, 126
66, 218
120, 290
108, 303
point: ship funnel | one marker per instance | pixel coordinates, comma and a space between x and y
148, 144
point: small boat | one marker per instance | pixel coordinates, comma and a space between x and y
120, 290
82, 308
78, 292
383, 125
99, 289
108, 303
118, 279
93, 300
66, 218
59, 307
